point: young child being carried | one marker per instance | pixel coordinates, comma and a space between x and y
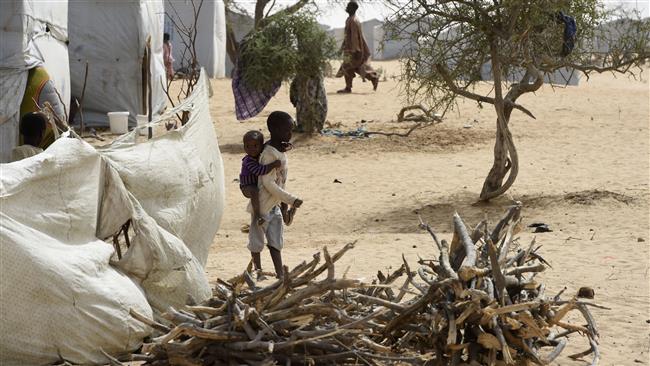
251, 170
274, 199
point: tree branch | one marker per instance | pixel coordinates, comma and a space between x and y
287, 11
451, 84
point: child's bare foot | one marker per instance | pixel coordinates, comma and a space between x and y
288, 217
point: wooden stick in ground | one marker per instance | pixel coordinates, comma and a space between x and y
81, 103
149, 89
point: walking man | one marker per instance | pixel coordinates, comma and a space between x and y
355, 52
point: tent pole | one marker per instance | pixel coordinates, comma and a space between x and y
149, 91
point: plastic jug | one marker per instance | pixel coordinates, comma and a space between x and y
119, 122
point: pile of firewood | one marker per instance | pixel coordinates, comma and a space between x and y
478, 303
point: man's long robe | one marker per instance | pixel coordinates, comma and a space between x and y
355, 53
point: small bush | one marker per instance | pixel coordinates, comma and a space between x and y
288, 45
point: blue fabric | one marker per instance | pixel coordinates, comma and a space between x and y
570, 31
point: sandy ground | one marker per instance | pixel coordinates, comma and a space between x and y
584, 171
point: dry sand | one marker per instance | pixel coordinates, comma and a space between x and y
584, 171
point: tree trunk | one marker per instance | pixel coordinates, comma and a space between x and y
505, 154
309, 97
493, 185
506, 159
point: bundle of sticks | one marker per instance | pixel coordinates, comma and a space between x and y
477, 304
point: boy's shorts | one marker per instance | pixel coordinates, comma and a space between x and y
272, 229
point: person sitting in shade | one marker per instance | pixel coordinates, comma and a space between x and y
168, 59
32, 128
355, 52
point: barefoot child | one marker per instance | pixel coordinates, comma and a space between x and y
272, 194
251, 169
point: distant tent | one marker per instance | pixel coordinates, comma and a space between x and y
389, 47
562, 76
211, 34
112, 37
32, 33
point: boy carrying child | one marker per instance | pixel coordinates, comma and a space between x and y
272, 199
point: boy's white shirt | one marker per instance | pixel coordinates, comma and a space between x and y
271, 186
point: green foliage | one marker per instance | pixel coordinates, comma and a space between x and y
288, 45
462, 36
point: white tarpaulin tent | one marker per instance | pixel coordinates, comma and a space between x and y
64, 294
211, 33
32, 33
112, 37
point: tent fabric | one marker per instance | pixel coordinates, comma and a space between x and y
111, 36
61, 299
65, 294
211, 36
32, 33
183, 188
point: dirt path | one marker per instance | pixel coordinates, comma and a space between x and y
584, 171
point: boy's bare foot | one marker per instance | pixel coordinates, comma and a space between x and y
344, 91
375, 82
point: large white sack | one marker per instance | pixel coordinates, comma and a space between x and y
177, 177
60, 298
157, 260
163, 265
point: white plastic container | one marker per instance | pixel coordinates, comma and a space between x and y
119, 122
142, 119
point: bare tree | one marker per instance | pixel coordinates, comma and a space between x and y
519, 42
187, 31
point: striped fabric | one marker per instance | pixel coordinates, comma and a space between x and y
249, 102
250, 170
